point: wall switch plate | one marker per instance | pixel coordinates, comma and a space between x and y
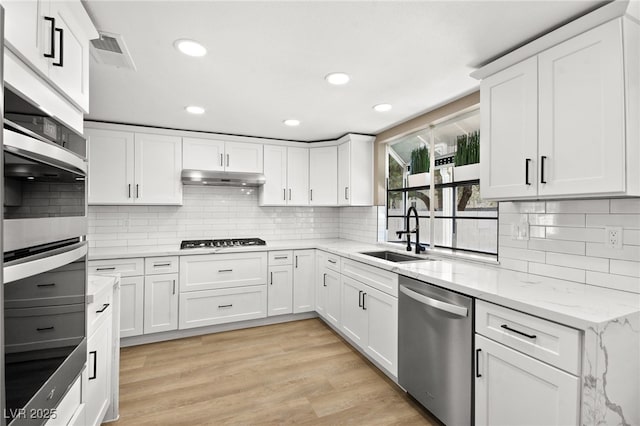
520, 231
613, 237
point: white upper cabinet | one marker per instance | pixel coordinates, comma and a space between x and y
582, 140
561, 123
323, 176
509, 130
298, 176
133, 168
52, 37
355, 171
216, 155
286, 170
202, 154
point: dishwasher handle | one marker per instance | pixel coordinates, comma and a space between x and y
443, 306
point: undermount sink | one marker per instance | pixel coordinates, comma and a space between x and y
392, 256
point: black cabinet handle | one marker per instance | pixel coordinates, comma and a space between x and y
271, 278
225, 270
174, 287
225, 306
95, 365
106, 269
129, 196
296, 262
311, 190
360, 298
324, 280
137, 190
46, 285
156, 265
530, 336
289, 194
363, 305
104, 308
60, 62
284, 194
542, 158
52, 47
526, 171
280, 257
478, 363
331, 261
45, 328
221, 160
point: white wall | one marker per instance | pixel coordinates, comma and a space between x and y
225, 212
567, 241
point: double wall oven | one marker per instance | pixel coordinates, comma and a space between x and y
45, 255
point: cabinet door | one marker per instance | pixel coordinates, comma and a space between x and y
280, 290
298, 176
27, 33
304, 265
202, 154
274, 191
323, 176
582, 114
98, 373
333, 299
157, 170
512, 387
69, 70
321, 284
354, 317
131, 306
160, 303
509, 132
382, 328
243, 157
111, 166
344, 173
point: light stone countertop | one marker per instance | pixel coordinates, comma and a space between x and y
573, 304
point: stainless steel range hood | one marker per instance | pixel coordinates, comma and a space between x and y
209, 178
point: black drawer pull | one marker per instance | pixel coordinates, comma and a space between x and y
526, 171
332, 261
542, 159
225, 270
225, 306
95, 365
281, 257
324, 280
155, 265
60, 62
45, 328
363, 305
52, 48
360, 298
46, 285
478, 363
530, 336
104, 308
113, 268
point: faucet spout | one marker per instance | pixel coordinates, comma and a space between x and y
416, 231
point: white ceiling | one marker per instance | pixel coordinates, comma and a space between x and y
267, 60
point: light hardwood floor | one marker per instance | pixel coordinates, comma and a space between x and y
299, 372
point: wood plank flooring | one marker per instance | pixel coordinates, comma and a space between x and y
299, 372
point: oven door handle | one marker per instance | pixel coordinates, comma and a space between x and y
460, 311
43, 262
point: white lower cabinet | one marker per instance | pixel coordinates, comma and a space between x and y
131, 306
514, 389
331, 287
210, 307
280, 290
71, 410
160, 303
304, 265
98, 372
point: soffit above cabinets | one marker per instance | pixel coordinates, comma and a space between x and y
266, 61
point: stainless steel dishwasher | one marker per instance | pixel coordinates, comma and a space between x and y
435, 349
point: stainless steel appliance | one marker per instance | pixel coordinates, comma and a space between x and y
435, 349
2, 391
230, 242
44, 177
215, 178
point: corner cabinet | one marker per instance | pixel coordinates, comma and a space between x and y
562, 123
355, 170
323, 176
133, 168
286, 170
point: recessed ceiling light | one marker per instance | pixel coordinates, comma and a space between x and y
193, 109
337, 78
291, 122
382, 107
190, 47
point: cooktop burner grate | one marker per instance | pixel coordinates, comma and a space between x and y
229, 242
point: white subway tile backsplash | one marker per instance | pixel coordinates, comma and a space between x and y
567, 241
559, 272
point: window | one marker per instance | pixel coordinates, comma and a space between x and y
446, 196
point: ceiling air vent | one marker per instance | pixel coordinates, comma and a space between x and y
111, 50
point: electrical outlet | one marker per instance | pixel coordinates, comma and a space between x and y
613, 237
520, 231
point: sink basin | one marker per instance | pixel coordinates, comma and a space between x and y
392, 256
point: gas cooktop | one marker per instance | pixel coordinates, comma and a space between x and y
231, 242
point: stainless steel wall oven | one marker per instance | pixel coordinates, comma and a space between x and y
45, 255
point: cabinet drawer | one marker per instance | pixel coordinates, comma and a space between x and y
284, 257
216, 271
375, 277
70, 407
545, 340
331, 261
124, 267
209, 307
43, 328
161, 265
